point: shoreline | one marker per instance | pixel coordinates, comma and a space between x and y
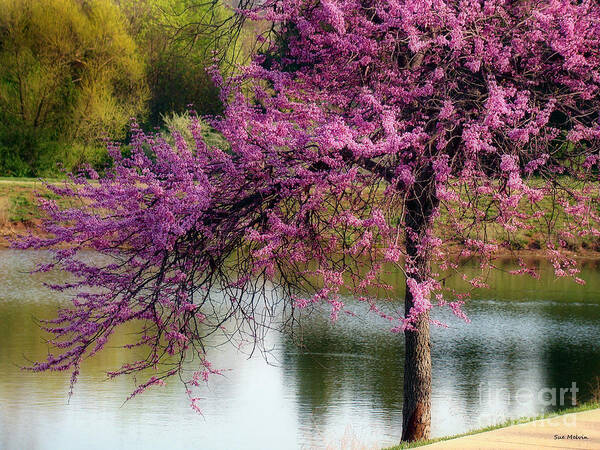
461, 440
14, 230
20, 215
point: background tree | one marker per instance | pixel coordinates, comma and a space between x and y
75, 72
70, 75
180, 39
371, 136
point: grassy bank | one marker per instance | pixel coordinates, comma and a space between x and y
18, 208
19, 213
17, 201
508, 423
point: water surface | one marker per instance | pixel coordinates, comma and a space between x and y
342, 385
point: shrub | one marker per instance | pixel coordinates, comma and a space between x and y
70, 75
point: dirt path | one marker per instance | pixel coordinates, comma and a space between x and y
569, 431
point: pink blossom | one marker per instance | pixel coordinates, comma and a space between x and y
377, 133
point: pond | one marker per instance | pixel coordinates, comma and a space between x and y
343, 387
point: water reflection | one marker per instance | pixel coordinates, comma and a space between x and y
326, 380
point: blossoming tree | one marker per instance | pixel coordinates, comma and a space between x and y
367, 135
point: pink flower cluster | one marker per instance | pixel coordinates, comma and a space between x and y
366, 134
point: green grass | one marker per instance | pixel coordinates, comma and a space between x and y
17, 200
24, 181
22, 208
17, 205
508, 423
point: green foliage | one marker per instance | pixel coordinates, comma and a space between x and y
70, 75
23, 149
178, 39
180, 123
74, 72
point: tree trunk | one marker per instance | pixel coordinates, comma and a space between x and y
416, 411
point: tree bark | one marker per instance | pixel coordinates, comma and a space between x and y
416, 411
